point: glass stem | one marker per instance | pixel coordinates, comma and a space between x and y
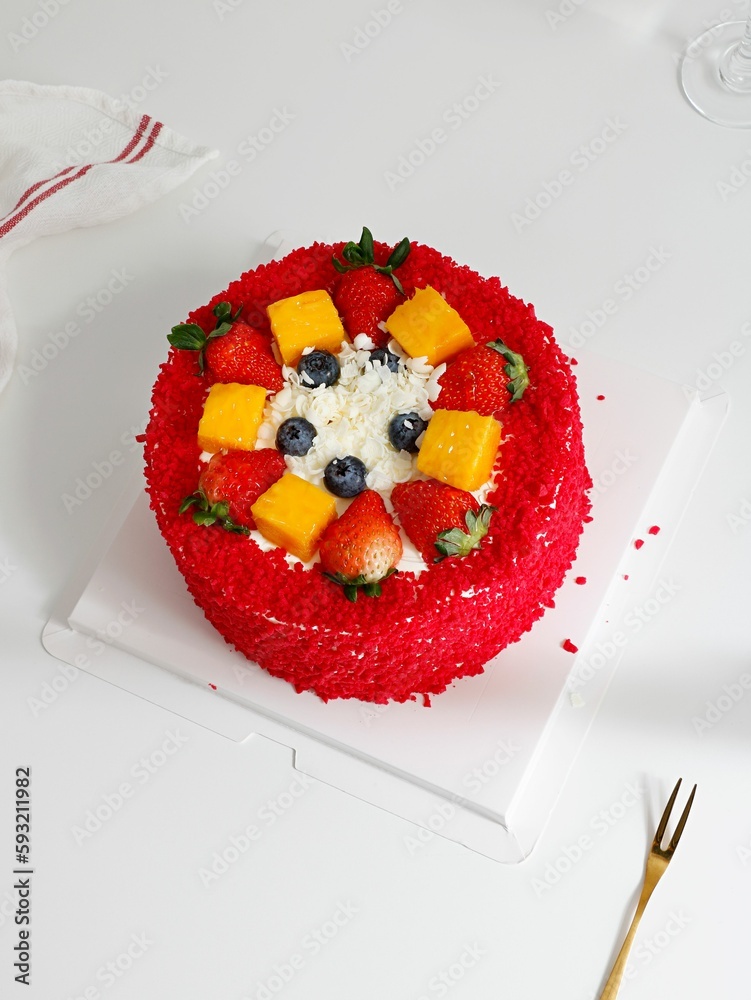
735, 65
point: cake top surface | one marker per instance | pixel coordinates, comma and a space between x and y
541, 440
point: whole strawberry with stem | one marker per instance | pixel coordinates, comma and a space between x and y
230, 485
232, 352
361, 548
486, 378
440, 520
243, 355
367, 293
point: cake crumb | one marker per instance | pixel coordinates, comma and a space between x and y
569, 646
576, 700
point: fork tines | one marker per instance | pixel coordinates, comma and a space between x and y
681, 822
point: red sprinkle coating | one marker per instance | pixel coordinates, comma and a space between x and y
424, 631
569, 646
638, 543
655, 529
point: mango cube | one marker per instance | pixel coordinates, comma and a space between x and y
306, 320
231, 417
294, 513
427, 326
459, 448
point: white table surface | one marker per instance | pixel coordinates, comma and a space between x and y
333, 898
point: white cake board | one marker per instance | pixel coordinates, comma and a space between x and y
485, 764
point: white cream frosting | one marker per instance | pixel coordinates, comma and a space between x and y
352, 418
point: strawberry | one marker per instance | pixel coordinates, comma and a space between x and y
440, 520
243, 355
232, 352
230, 485
485, 379
362, 547
367, 293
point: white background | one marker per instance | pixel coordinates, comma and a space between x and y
408, 910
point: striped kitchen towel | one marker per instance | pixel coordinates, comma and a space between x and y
73, 157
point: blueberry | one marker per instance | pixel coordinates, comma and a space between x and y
345, 477
318, 368
295, 436
405, 429
386, 358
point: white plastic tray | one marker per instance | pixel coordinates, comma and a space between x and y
485, 764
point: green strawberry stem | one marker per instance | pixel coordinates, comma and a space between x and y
362, 254
516, 370
191, 337
456, 542
208, 513
353, 585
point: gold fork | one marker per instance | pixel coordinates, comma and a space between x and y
657, 862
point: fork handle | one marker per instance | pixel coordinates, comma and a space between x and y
619, 966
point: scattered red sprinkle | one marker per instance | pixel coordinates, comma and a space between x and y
573, 361
587, 518
580, 580
638, 543
213, 687
655, 529
426, 700
569, 646
600, 396
140, 438
625, 576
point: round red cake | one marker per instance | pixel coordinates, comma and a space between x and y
425, 629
